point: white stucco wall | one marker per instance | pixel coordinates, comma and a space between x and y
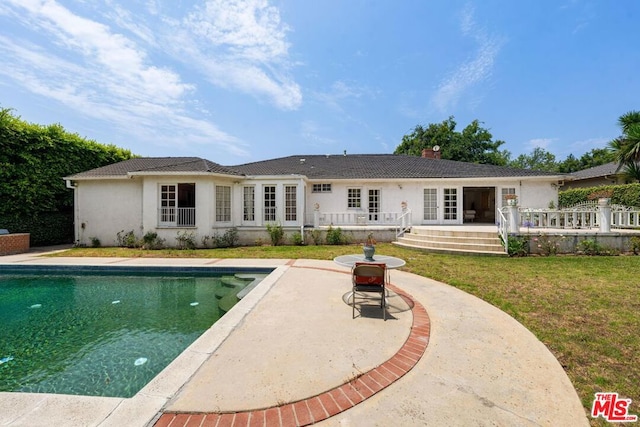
105, 207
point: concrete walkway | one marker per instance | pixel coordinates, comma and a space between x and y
292, 339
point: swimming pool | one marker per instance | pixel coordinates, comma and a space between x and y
106, 331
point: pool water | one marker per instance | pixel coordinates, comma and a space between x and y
103, 335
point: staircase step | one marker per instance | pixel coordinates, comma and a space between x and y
457, 241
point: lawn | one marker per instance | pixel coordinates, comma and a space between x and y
585, 309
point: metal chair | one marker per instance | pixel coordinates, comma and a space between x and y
369, 278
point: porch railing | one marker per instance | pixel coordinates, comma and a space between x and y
358, 218
585, 215
177, 217
404, 223
503, 229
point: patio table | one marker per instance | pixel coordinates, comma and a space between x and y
350, 260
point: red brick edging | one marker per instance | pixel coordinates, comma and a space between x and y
332, 402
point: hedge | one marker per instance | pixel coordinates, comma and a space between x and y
49, 228
627, 195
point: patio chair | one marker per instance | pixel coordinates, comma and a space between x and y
469, 215
369, 278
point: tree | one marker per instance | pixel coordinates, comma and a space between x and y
596, 157
539, 159
627, 146
474, 144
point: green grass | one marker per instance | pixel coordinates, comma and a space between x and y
585, 309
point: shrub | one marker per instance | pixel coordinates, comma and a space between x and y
276, 233
95, 242
634, 245
186, 240
296, 238
518, 245
230, 237
316, 235
127, 240
335, 236
593, 247
151, 241
547, 245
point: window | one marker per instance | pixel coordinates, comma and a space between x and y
321, 188
354, 198
269, 203
505, 192
290, 203
450, 204
430, 204
248, 203
374, 205
177, 205
223, 203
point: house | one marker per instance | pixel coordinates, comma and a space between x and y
607, 174
189, 194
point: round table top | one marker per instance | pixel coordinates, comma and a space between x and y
350, 260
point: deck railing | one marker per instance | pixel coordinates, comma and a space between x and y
584, 215
177, 217
358, 218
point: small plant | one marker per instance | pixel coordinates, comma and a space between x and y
230, 237
127, 240
510, 196
335, 236
593, 247
296, 238
548, 245
634, 245
518, 246
186, 240
276, 233
151, 241
206, 241
95, 242
316, 235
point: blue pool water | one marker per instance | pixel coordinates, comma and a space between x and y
105, 332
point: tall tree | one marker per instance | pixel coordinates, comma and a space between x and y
539, 159
474, 144
627, 146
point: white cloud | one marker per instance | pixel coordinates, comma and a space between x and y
476, 70
86, 66
540, 142
341, 91
239, 44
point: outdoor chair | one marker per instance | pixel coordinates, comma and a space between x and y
369, 278
469, 215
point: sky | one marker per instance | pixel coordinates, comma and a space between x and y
238, 81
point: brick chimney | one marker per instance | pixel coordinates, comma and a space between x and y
430, 153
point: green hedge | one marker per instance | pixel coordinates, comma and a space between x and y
49, 228
627, 195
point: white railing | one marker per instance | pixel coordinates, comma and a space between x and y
358, 218
404, 223
585, 215
503, 229
177, 217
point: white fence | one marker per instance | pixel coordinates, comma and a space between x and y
584, 215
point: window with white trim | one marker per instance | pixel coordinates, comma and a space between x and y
354, 198
177, 205
505, 192
223, 203
269, 200
290, 203
321, 188
249, 203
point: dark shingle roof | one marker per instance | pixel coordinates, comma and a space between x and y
597, 171
379, 166
156, 164
352, 166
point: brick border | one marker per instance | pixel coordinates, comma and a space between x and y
332, 402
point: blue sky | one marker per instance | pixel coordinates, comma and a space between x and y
240, 81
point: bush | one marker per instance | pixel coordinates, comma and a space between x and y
547, 245
518, 245
634, 245
95, 242
296, 238
127, 240
186, 240
48, 228
151, 241
593, 247
335, 236
276, 233
627, 195
316, 235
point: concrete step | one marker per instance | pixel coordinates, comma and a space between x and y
458, 241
